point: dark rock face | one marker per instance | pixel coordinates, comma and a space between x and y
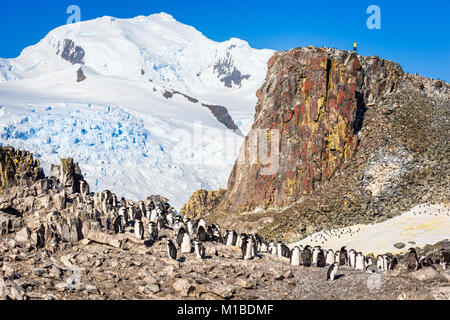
222, 115
72, 53
359, 141
219, 112
228, 74
80, 75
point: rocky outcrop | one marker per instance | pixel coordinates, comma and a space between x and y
359, 140
202, 203
80, 75
18, 168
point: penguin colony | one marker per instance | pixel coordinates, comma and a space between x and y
189, 237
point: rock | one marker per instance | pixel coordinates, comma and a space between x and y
399, 245
9, 272
425, 274
224, 291
152, 287
91, 289
23, 235
39, 271
182, 287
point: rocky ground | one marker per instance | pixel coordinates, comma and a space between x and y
59, 241
136, 270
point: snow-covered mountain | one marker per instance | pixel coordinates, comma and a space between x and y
146, 105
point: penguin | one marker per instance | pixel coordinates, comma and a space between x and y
337, 254
264, 247
200, 223
190, 227
240, 240
153, 231
351, 258
169, 219
272, 248
114, 201
131, 213
343, 257
142, 209
199, 250
201, 234
180, 236
248, 249
217, 234
307, 256
171, 250
118, 225
444, 259
315, 252
139, 230
160, 223
320, 259
380, 263
186, 245
84, 188
154, 216
425, 261
229, 238
330, 257
295, 256
124, 214
369, 261
332, 272
413, 262
360, 263
283, 250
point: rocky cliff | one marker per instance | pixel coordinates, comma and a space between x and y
359, 141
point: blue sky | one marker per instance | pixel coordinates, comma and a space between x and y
413, 33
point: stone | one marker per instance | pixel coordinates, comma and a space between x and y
23, 235
182, 287
399, 245
91, 289
425, 274
224, 291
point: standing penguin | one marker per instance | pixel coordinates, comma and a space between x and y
307, 256
248, 249
186, 245
332, 272
283, 251
321, 259
139, 230
190, 227
199, 250
264, 247
337, 254
171, 250
272, 248
360, 261
295, 256
330, 257
315, 252
351, 258
413, 262
343, 257
153, 231
180, 236
201, 234
380, 263
118, 225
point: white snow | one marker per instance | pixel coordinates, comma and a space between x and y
126, 135
424, 224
